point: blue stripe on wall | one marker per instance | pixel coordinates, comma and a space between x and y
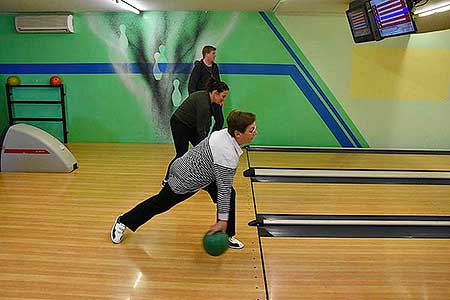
185, 68
256, 69
320, 108
87, 68
336, 131
107, 68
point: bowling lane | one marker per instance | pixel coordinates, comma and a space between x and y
388, 269
362, 199
349, 161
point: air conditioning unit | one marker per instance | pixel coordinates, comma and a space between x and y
44, 23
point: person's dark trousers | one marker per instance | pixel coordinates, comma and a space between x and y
231, 226
182, 135
144, 211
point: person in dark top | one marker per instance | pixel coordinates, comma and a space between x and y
191, 122
204, 70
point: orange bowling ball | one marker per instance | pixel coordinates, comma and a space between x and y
55, 81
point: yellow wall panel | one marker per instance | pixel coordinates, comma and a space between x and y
400, 73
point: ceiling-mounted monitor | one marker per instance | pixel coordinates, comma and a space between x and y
392, 17
359, 24
362, 21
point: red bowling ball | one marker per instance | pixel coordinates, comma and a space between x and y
55, 81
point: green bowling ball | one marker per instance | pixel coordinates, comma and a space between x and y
215, 244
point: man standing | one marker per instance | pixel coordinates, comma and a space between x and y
205, 69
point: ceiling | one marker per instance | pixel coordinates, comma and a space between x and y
294, 7
282, 6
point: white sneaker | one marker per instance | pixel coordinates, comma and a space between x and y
234, 243
117, 231
164, 182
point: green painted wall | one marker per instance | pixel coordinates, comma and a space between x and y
385, 114
125, 107
3, 109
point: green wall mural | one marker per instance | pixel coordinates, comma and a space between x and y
124, 75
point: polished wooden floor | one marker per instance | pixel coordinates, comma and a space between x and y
388, 269
343, 268
55, 235
352, 199
350, 161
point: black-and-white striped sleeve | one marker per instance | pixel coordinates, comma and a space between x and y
224, 179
